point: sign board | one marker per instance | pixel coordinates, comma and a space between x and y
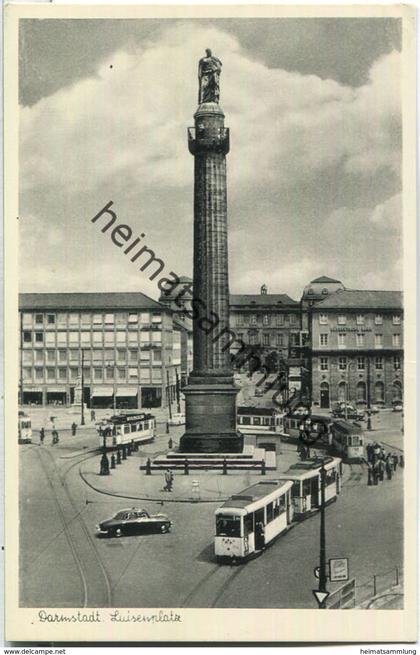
339, 569
321, 596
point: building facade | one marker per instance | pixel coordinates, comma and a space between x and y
357, 347
124, 347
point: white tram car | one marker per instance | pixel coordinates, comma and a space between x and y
259, 420
248, 521
123, 429
24, 428
306, 479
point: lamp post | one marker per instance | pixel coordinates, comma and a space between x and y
349, 364
82, 416
322, 542
369, 421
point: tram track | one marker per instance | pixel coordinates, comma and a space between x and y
206, 582
96, 590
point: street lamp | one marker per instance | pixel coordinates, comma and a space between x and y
82, 416
322, 545
349, 364
369, 421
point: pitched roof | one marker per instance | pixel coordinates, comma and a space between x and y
362, 299
325, 279
266, 299
88, 301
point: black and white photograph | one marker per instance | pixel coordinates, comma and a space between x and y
212, 392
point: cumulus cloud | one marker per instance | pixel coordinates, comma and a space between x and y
121, 135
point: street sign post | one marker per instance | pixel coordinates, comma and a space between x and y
321, 597
339, 569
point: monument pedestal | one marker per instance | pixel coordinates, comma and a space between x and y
210, 410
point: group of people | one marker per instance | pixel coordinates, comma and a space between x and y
381, 463
54, 436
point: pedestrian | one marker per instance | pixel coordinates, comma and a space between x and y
92, 415
369, 453
41, 435
402, 461
168, 480
395, 461
375, 473
73, 429
381, 470
54, 435
170, 444
388, 467
301, 431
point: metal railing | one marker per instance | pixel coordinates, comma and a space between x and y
379, 583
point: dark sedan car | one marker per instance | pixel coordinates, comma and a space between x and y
134, 521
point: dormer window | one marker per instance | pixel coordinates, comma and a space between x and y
324, 291
323, 319
378, 319
341, 320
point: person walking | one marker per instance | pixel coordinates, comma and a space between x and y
381, 469
395, 461
42, 436
92, 415
388, 466
73, 429
168, 480
369, 453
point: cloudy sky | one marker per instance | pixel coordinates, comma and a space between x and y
314, 179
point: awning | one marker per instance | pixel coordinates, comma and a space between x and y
127, 392
56, 390
102, 392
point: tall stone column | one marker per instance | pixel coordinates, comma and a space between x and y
210, 396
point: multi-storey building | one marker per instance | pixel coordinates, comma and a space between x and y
272, 322
357, 347
124, 346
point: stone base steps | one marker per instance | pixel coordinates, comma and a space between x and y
251, 459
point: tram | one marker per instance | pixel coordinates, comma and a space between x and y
24, 428
126, 428
259, 420
306, 480
248, 521
319, 426
347, 440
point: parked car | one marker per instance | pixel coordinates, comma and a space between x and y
397, 406
133, 521
339, 410
177, 419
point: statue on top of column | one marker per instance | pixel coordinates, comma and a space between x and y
209, 69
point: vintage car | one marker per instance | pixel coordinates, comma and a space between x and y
133, 521
397, 406
339, 411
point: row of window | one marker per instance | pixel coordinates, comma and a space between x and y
343, 362
86, 318
360, 339
360, 319
267, 339
97, 374
89, 338
62, 356
266, 319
